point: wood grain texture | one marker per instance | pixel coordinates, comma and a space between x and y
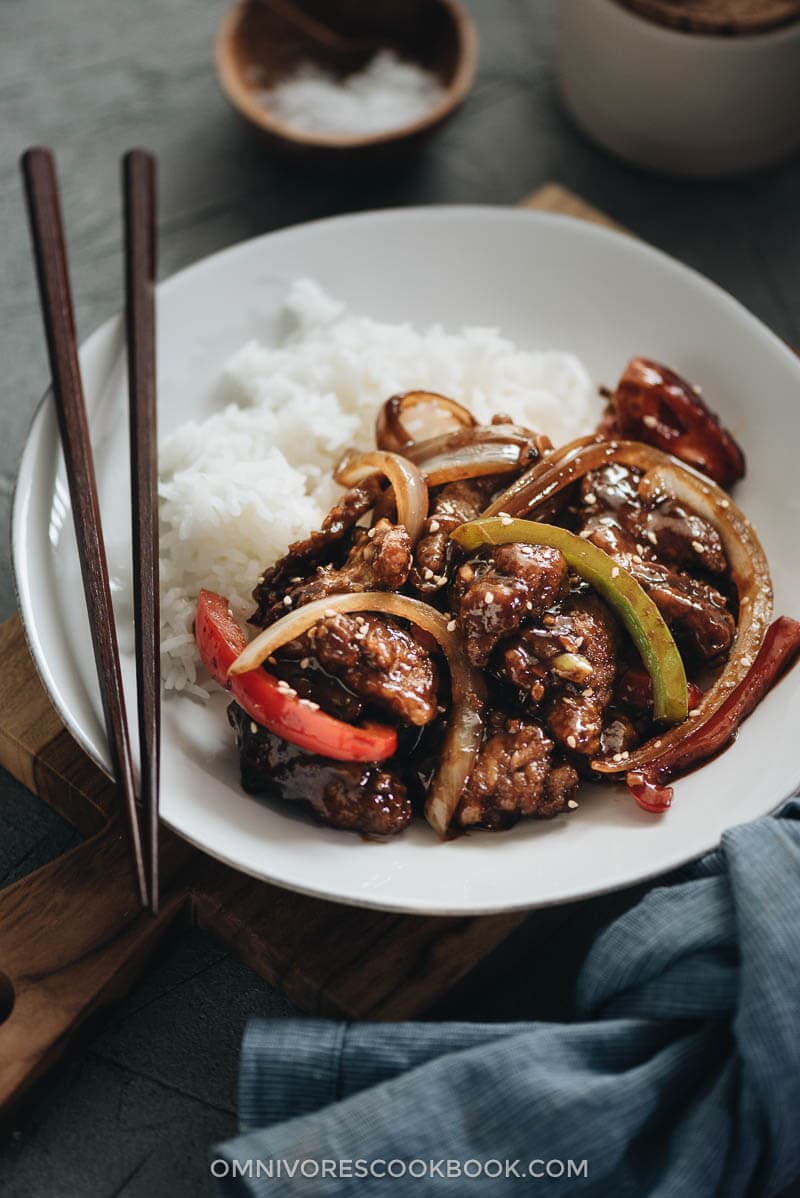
553, 198
73, 939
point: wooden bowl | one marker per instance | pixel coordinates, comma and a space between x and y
256, 47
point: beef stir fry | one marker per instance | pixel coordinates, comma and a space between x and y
484, 620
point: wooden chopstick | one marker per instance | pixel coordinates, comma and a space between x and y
139, 192
47, 231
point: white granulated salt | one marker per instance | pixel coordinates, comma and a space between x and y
387, 94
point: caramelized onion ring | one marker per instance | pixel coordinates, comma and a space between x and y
472, 461
473, 452
406, 480
549, 476
464, 734
391, 431
481, 434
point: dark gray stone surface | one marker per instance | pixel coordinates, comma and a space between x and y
135, 1113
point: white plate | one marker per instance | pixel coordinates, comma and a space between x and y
545, 281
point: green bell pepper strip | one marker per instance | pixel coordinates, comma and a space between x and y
622, 592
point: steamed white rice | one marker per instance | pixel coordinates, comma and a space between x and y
236, 488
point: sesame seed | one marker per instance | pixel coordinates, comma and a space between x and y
698, 548
585, 532
272, 661
617, 757
506, 520
488, 597
693, 710
698, 388
260, 579
305, 663
572, 804
649, 420
427, 573
440, 579
637, 557
253, 727
578, 641
724, 503
310, 704
589, 498
651, 536
624, 755
451, 626
529, 605
433, 526
745, 599
615, 572
328, 613
441, 709
658, 744
297, 578
571, 741
504, 515
639, 549
371, 533
467, 573
287, 600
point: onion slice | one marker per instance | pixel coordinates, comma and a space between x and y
430, 414
464, 734
546, 478
472, 461
473, 452
406, 480
481, 434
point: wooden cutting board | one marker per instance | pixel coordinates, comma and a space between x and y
73, 940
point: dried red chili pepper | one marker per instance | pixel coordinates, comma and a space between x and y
655, 405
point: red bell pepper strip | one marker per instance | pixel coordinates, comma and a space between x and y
220, 640
655, 405
778, 651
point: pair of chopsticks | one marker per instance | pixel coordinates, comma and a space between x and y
49, 246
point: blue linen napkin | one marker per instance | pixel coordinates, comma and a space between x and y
680, 1076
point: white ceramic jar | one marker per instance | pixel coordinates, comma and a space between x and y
681, 103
